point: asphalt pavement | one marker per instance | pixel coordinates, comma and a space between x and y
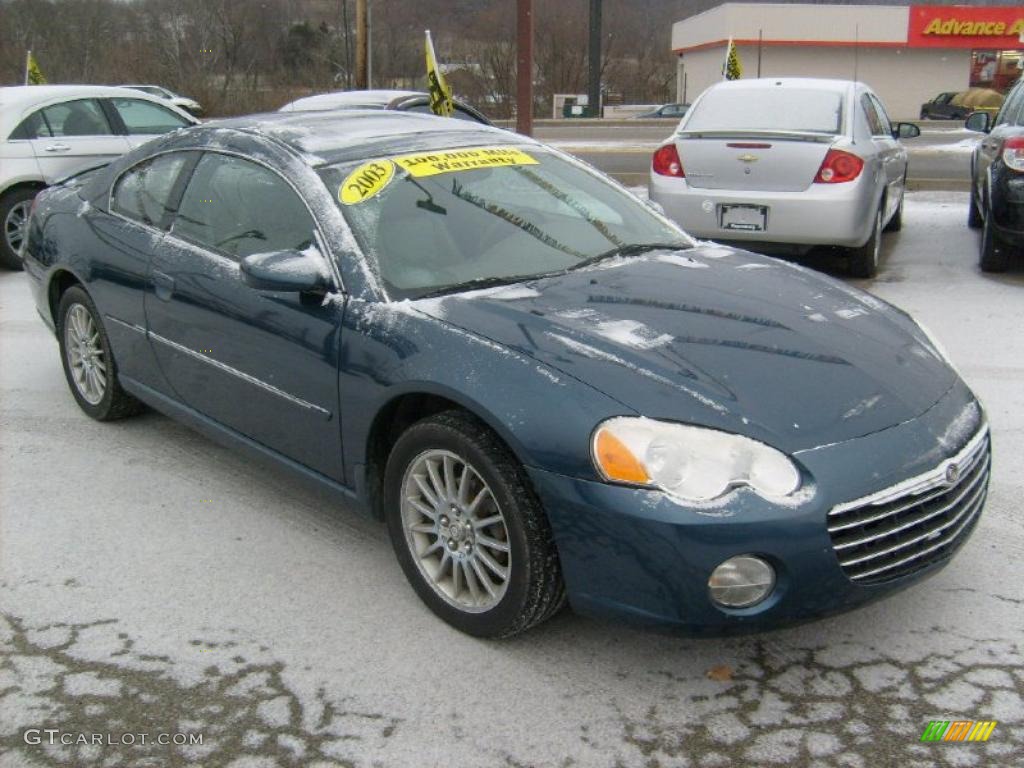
152, 582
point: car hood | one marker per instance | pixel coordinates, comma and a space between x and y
722, 338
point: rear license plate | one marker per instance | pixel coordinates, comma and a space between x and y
748, 218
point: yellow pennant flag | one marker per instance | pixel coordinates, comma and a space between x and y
33, 75
440, 92
732, 69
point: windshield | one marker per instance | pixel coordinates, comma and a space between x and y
435, 221
768, 109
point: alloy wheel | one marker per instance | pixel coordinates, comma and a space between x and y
456, 531
86, 359
16, 225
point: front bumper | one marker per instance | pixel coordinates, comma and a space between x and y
634, 555
822, 214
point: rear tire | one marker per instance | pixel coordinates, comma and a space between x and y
445, 544
994, 256
14, 210
864, 260
89, 364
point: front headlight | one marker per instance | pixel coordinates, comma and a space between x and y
690, 463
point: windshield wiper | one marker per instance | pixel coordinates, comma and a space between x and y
629, 249
482, 282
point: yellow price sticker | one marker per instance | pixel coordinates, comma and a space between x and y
451, 160
366, 181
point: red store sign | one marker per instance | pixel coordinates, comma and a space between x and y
965, 26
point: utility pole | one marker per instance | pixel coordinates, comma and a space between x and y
524, 67
594, 59
362, 39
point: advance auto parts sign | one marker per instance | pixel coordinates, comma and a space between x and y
369, 179
960, 26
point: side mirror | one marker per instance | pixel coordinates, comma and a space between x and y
905, 131
284, 271
979, 121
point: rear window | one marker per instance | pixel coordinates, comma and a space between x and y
768, 109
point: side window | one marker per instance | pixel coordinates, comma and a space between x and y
1011, 112
239, 208
883, 117
82, 117
874, 122
144, 192
32, 127
142, 118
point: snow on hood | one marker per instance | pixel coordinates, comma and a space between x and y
781, 353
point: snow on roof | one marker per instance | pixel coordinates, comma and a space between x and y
375, 99
327, 137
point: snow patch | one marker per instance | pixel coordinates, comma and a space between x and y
754, 266
630, 333
681, 261
848, 313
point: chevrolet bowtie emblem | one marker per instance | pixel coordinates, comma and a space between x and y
747, 159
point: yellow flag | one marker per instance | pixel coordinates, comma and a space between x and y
440, 92
732, 69
33, 76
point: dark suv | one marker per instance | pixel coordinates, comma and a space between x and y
997, 181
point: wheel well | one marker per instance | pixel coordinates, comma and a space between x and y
39, 186
59, 283
391, 421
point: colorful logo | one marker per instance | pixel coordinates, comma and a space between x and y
958, 730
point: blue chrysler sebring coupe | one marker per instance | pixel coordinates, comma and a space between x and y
545, 388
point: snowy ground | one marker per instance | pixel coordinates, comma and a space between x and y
151, 581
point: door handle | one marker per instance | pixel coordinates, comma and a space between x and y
58, 148
163, 285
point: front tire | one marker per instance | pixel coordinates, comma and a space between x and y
468, 530
974, 219
993, 256
864, 260
15, 207
89, 365
896, 222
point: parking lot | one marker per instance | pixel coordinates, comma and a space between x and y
154, 582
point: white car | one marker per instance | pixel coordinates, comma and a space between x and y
793, 161
48, 132
181, 102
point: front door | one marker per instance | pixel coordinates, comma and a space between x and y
263, 364
73, 135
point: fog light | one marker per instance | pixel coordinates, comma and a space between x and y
741, 581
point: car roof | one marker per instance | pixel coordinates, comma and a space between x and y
809, 83
323, 138
377, 99
18, 99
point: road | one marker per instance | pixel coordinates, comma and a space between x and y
154, 582
939, 158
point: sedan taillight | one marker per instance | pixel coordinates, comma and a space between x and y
666, 162
1013, 153
839, 166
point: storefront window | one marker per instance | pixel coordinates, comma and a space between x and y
997, 70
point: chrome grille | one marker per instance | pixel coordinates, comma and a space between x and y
920, 521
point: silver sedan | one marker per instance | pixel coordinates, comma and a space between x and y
794, 161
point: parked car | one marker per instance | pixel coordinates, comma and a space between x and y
402, 101
794, 161
673, 111
191, 106
943, 107
997, 172
50, 131
543, 386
